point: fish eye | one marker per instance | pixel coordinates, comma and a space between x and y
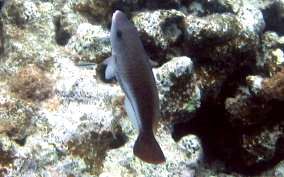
118, 33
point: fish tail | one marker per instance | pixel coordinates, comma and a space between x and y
147, 149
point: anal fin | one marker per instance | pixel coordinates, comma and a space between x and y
131, 114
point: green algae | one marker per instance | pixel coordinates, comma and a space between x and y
193, 104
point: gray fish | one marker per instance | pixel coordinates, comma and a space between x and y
131, 66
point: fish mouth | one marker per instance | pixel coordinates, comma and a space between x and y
118, 16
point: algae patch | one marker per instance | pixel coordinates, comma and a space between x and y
92, 148
31, 83
16, 118
6, 160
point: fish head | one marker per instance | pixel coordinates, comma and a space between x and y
122, 32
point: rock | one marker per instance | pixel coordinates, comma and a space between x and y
252, 19
177, 99
90, 43
260, 146
156, 25
253, 22
171, 70
25, 22
161, 31
256, 110
20, 13
221, 36
45, 154
219, 6
279, 169
194, 9
254, 84
101, 11
223, 46
7, 153
190, 145
272, 57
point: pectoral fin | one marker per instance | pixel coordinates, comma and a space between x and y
131, 114
153, 63
110, 69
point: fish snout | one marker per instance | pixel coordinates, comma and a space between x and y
118, 17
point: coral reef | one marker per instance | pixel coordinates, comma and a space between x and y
220, 78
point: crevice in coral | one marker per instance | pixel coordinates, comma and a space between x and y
21, 141
159, 4
119, 141
61, 36
274, 18
222, 142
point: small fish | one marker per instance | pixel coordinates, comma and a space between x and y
113, 126
131, 66
85, 65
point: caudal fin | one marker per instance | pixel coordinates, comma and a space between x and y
147, 149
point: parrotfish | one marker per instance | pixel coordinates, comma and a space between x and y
132, 68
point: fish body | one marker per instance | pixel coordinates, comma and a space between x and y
131, 66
